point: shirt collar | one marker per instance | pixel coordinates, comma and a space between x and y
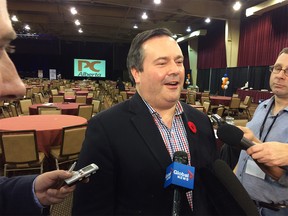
178, 110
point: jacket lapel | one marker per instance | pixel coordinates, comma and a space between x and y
144, 123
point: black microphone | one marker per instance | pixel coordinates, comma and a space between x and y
228, 179
225, 192
180, 157
233, 136
218, 119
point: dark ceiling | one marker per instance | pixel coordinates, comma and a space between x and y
113, 20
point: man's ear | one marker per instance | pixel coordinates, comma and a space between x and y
135, 74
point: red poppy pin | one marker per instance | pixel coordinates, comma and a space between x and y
192, 127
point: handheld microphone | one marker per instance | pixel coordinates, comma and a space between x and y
180, 176
217, 119
233, 136
238, 193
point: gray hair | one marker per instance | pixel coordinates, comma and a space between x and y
135, 56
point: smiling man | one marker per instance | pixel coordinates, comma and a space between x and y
133, 142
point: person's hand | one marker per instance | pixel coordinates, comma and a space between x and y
248, 134
270, 153
47, 187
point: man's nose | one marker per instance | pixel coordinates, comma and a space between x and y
11, 86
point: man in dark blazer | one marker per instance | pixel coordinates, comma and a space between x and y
133, 142
128, 147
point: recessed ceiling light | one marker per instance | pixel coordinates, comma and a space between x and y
188, 29
237, 6
207, 20
27, 27
14, 18
135, 26
73, 10
144, 16
80, 30
157, 1
77, 22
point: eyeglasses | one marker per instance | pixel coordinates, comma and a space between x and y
277, 68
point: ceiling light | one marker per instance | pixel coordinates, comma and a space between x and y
135, 26
188, 29
80, 30
27, 27
157, 1
14, 18
144, 16
77, 22
197, 33
264, 7
237, 6
207, 20
73, 10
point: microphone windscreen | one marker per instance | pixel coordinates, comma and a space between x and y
230, 134
225, 175
180, 157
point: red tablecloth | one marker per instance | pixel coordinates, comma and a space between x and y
217, 100
72, 99
255, 94
77, 92
67, 108
48, 127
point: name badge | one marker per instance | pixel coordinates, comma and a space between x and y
253, 169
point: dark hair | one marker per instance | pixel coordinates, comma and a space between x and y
284, 50
136, 55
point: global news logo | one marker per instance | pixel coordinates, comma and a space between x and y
179, 175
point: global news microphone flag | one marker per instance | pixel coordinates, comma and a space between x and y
181, 175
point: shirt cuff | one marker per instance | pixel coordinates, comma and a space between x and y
35, 197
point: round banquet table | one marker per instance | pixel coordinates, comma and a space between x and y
66, 108
217, 100
48, 127
72, 99
77, 92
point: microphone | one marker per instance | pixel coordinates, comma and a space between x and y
180, 176
225, 192
233, 136
217, 119
228, 179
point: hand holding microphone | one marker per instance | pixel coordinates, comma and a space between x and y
234, 137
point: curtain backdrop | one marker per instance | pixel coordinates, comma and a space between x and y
263, 37
211, 47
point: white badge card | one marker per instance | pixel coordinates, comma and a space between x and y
253, 169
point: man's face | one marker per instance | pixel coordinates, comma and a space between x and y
279, 82
160, 83
11, 85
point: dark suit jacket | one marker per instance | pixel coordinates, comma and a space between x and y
128, 148
16, 197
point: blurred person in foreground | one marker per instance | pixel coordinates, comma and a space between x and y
134, 141
23, 195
